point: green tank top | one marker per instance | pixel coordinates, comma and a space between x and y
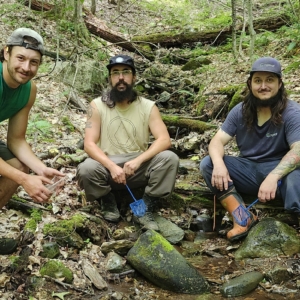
12, 100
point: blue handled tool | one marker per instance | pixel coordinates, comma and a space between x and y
138, 207
241, 214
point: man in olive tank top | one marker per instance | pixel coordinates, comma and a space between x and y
20, 60
117, 135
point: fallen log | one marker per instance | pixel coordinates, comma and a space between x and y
193, 125
212, 37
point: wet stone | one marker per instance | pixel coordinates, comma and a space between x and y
241, 285
114, 262
278, 275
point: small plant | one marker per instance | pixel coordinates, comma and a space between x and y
38, 125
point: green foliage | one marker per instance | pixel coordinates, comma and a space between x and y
68, 124
264, 38
188, 14
292, 67
65, 25
39, 125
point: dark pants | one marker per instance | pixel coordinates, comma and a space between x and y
5, 153
248, 175
157, 175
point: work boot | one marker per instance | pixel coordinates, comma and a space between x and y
109, 208
147, 220
231, 201
8, 245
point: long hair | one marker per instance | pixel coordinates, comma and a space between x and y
250, 109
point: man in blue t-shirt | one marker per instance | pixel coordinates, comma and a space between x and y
266, 126
20, 60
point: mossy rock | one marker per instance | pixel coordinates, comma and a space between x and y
50, 250
56, 269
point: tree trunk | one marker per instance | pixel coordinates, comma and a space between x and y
233, 16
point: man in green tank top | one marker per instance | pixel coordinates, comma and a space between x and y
117, 137
20, 60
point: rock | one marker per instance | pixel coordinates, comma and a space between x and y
278, 274
269, 238
91, 272
114, 262
163, 97
121, 246
204, 222
241, 285
84, 76
195, 63
169, 230
57, 269
156, 259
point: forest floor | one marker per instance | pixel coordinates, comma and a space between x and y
51, 136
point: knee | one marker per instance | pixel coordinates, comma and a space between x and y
205, 164
170, 156
83, 169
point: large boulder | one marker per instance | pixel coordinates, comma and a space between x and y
85, 77
268, 239
156, 259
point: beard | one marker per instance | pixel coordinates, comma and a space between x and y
120, 96
265, 103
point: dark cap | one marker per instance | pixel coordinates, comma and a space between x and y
266, 64
19, 38
121, 60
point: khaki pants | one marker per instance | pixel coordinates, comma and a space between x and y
157, 175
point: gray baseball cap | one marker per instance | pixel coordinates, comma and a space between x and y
267, 64
19, 38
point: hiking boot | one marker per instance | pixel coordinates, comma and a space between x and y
7, 246
231, 201
109, 208
147, 220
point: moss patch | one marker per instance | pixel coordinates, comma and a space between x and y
56, 269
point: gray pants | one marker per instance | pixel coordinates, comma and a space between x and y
248, 175
157, 175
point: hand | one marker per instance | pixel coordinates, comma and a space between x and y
267, 189
34, 185
118, 174
50, 173
220, 178
130, 167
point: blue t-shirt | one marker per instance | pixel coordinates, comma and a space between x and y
267, 142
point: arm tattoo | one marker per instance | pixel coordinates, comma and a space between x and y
88, 125
289, 162
89, 112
